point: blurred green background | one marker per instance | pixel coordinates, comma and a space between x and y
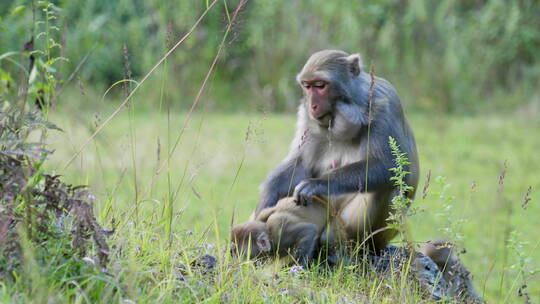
448, 55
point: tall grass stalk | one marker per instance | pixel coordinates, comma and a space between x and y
135, 89
201, 88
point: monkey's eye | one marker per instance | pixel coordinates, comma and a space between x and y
306, 85
319, 84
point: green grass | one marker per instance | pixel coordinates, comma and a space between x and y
214, 174
164, 222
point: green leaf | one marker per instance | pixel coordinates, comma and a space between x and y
5, 55
18, 9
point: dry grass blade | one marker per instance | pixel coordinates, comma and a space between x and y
199, 94
126, 100
426, 185
527, 198
370, 118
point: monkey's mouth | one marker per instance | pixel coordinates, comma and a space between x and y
324, 120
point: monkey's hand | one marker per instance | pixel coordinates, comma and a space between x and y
307, 189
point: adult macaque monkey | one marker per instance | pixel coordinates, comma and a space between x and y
340, 151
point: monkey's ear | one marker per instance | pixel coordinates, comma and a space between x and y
263, 242
355, 64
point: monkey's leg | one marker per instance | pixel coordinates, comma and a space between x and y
328, 237
332, 242
307, 235
328, 248
364, 216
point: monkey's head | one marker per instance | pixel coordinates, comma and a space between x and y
328, 78
443, 253
250, 239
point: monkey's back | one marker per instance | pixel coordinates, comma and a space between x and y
314, 212
290, 225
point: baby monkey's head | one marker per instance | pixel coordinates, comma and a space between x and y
250, 240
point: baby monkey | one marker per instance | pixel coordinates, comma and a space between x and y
286, 228
458, 278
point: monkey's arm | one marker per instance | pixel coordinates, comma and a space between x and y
281, 182
348, 179
265, 214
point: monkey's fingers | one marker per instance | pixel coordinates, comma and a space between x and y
305, 200
302, 201
298, 200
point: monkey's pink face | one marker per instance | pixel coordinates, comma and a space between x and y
318, 99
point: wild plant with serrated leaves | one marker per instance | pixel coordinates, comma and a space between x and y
42, 219
47, 56
401, 203
452, 227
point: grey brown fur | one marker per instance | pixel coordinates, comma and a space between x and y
286, 229
329, 155
456, 275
